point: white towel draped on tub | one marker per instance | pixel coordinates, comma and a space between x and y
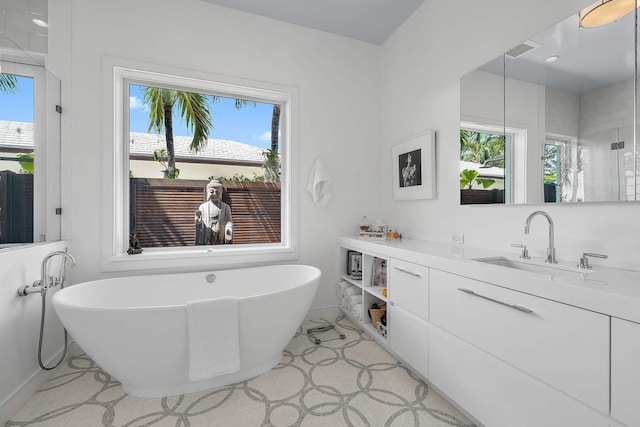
214, 342
319, 184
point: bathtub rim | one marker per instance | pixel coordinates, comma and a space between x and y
58, 300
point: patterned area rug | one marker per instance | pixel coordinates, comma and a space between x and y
350, 382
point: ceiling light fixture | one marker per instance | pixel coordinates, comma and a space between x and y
604, 12
551, 59
40, 23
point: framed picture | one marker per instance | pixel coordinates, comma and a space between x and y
379, 272
414, 168
354, 264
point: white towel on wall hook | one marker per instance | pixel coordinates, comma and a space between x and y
320, 184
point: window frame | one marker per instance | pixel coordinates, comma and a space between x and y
118, 74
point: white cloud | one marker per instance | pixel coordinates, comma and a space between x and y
135, 102
264, 136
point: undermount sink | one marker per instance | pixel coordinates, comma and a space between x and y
532, 267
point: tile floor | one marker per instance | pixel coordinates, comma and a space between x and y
351, 382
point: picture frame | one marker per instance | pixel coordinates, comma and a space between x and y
414, 168
379, 273
354, 264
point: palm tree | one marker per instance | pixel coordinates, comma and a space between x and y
194, 110
8, 83
275, 127
478, 147
271, 164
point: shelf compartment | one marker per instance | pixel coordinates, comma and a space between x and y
375, 272
348, 279
368, 300
376, 291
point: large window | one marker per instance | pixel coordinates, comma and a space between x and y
202, 168
485, 166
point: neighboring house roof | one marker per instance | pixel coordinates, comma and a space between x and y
216, 150
16, 135
492, 172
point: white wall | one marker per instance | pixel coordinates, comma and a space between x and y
422, 64
20, 321
337, 81
562, 113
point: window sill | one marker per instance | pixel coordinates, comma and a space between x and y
198, 258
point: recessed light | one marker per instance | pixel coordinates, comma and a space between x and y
553, 58
40, 22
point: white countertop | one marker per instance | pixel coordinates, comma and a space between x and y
610, 291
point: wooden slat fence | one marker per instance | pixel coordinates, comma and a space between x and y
162, 211
255, 207
16, 207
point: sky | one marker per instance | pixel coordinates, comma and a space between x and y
249, 125
18, 106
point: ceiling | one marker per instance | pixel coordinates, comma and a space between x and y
371, 21
18, 33
589, 58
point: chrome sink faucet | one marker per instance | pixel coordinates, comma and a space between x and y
551, 251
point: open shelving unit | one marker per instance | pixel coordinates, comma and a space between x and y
374, 279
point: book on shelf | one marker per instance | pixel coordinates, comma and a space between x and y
372, 235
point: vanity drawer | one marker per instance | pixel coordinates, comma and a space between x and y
409, 287
563, 346
497, 394
409, 339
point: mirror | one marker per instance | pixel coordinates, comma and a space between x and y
29, 131
552, 120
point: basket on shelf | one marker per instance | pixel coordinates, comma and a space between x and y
377, 313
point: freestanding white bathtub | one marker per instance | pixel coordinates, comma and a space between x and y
135, 328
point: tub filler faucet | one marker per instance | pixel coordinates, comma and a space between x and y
551, 251
41, 286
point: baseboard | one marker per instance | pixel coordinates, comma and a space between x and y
14, 403
323, 313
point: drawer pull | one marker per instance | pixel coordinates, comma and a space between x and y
408, 272
514, 306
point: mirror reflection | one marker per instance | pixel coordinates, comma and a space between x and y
552, 120
29, 129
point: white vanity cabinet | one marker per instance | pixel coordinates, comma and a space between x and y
563, 346
509, 348
625, 371
409, 313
